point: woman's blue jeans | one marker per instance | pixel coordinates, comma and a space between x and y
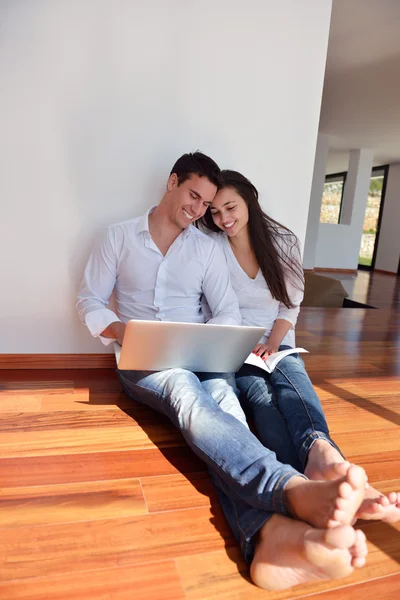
286, 412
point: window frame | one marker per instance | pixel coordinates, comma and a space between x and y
385, 171
335, 178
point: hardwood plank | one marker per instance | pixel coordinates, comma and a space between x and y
346, 370
97, 466
366, 416
384, 588
42, 505
86, 399
380, 466
154, 581
174, 492
53, 374
57, 361
224, 574
393, 485
86, 440
20, 403
73, 419
66, 548
358, 443
383, 386
340, 391
36, 387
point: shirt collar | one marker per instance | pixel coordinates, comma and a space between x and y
143, 224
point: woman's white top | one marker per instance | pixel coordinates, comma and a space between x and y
256, 304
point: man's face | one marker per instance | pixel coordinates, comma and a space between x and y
189, 201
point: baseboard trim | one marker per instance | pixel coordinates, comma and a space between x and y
385, 272
57, 361
347, 271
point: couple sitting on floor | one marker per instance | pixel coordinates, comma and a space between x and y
288, 494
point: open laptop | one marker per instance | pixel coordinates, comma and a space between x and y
159, 345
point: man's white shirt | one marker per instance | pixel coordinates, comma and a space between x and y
152, 286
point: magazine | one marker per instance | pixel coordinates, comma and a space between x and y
272, 360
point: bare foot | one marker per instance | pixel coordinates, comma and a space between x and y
324, 462
290, 552
326, 503
379, 507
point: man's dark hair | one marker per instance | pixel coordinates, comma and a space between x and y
196, 163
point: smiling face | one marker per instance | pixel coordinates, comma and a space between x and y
229, 211
189, 201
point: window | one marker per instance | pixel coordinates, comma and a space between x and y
331, 206
373, 216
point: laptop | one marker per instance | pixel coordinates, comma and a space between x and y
208, 348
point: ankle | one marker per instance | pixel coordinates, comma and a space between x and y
323, 453
291, 494
284, 531
320, 446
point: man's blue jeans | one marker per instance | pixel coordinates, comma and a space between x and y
205, 408
286, 412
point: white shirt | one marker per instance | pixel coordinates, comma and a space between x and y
256, 304
152, 286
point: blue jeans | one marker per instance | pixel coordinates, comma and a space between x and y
288, 417
205, 408
285, 409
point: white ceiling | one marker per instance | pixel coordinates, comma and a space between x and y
361, 97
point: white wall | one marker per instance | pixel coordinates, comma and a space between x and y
97, 100
337, 247
314, 209
388, 253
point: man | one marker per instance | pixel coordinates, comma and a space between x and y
161, 266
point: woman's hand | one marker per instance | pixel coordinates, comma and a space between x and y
265, 350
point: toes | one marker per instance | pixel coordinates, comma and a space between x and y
360, 537
356, 477
384, 501
343, 536
345, 490
343, 466
339, 469
357, 563
341, 503
332, 523
360, 548
392, 497
340, 516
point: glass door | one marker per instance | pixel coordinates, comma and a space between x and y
372, 220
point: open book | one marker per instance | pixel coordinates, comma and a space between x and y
272, 360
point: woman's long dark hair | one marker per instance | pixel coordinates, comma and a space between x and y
278, 260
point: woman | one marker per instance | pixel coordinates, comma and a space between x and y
267, 276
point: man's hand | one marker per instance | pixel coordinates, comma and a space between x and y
115, 331
265, 350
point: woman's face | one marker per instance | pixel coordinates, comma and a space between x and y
229, 211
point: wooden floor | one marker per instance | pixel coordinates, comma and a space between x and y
102, 499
